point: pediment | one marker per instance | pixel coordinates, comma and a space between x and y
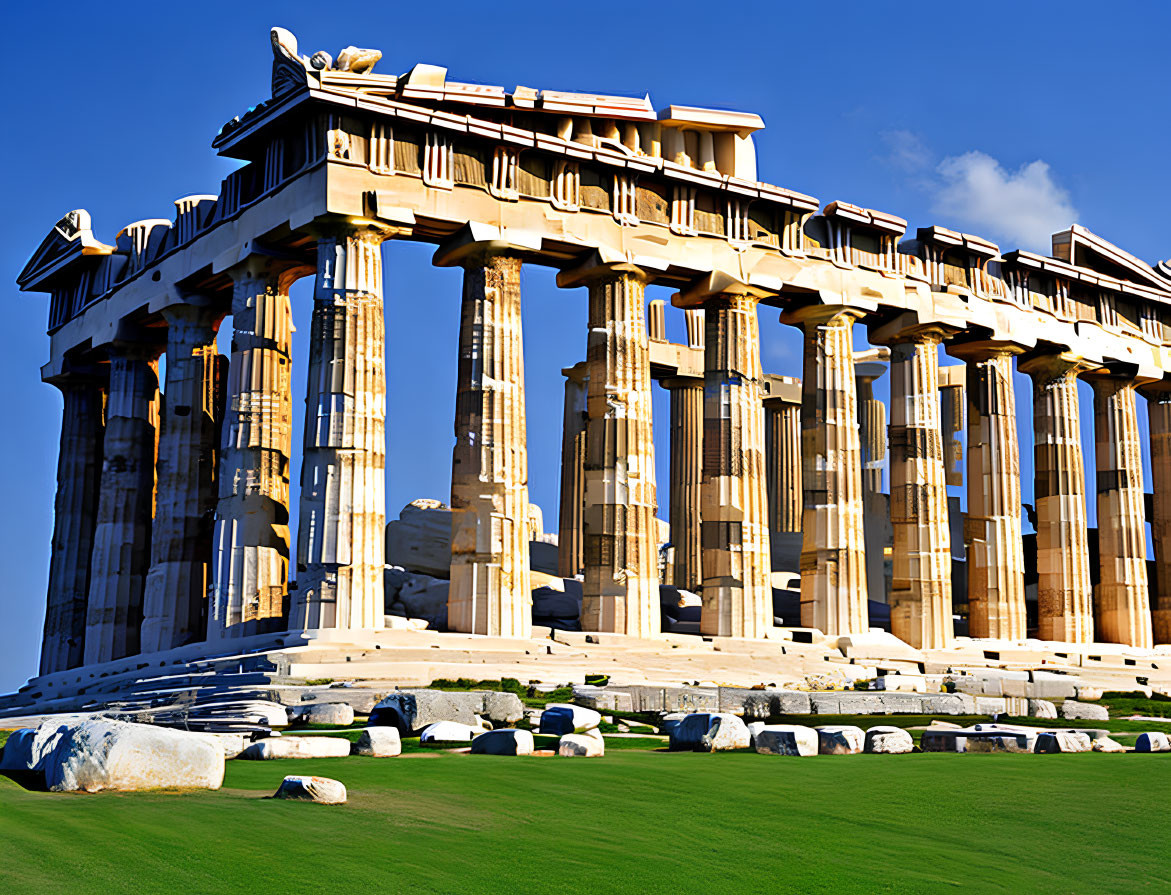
1082, 248
71, 238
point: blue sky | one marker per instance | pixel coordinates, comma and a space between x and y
1007, 120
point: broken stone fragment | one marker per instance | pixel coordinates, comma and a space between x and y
357, 60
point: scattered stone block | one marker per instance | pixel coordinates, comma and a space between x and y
786, 739
840, 739
379, 742
1084, 711
1053, 741
339, 714
297, 747
581, 745
412, 710
28, 748
1105, 744
1088, 694
449, 732
888, 741
710, 732
506, 741
1042, 708
561, 718
1154, 741
322, 790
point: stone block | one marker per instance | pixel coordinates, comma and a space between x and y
1042, 708
902, 703
297, 747
1052, 741
793, 702
449, 732
1084, 711
786, 739
323, 790
888, 741
903, 683
1105, 744
941, 740
379, 742
502, 708
1046, 685
840, 739
988, 705
602, 699
949, 704
507, 741
581, 745
337, 713
559, 719
710, 732
1153, 741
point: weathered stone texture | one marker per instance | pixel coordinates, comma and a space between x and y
121, 552
570, 543
251, 540
783, 465
686, 480
340, 541
737, 587
490, 591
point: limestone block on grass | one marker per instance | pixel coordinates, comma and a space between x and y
1084, 711
1001, 741
232, 744
786, 739
506, 741
949, 704
297, 747
1105, 744
581, 745
27, 749
379, 742
323, 790
101, 754
840, 739
561, 718
710, 732
793, 702
1053, 741
502, 708
449, 732
412, 710
1042, 708
888, 741
1153, 741
337, 713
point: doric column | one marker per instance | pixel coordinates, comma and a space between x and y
570, 539
1123, 612
79, 471
621, 589
1159, 421
686, 470
176, 596
490, 590
921, 607
341, 532
996, 565
121, 552
250, 553
952, 401
1065, 595
782, 440
737, 582
876, 513
833, 556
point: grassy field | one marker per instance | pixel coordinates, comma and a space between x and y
636, 821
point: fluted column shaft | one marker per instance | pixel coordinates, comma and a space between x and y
621, 589
686, 480
951, 399
121, 552
571, 536
490, 591
1065, 597
250, 552
176, 596
79, 470
921, 611
1159, 421
783, 462
833, 555
340, 538
737, 583
996, 585
1123, 605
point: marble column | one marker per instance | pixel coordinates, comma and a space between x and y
686, 479
1065, 596
121, 551
876, 512
833, 556
921, 608
737, 563
570, 538
783, 463
1123, 612
620, 593
79, 470
490, 590
951, 400
996, 564
1159, 421
176, 595
341, 542
250, 552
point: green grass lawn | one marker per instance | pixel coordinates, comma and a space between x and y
636, 821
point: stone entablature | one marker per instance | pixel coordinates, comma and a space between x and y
615, 195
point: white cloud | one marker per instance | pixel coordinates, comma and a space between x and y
906, 151
1022, 207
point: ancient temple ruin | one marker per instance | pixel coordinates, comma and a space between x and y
172, 518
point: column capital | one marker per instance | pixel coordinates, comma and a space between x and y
672, 382
818, 314
604, 264
975, 350
1115, 375
475, 241
1157, 390
344, 226
907, 327
1045, 366
578, 373
198, 312
259, 264
713, 285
